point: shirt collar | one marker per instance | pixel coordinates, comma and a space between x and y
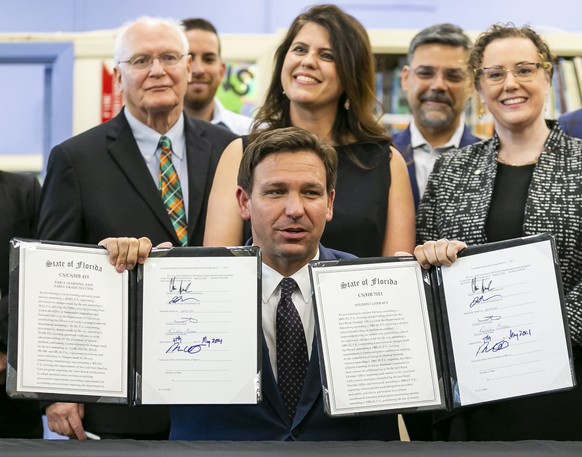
417, 140
148, 139
271, 279
217, 112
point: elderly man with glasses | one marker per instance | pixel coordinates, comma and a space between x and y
437, 88
146, 172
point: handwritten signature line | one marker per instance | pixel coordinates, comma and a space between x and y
526, 373
199, 370
513, 365
202, 380
516, 305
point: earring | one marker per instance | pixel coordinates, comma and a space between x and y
482, 110
347, 104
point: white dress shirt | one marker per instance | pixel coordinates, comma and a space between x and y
301, 299
236, 123
425, 155
148, 140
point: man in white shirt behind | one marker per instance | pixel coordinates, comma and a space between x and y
208, 71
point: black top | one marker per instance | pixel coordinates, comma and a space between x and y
361, 201
506, 213
360, 209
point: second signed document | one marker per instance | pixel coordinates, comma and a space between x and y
182, 329
396, 337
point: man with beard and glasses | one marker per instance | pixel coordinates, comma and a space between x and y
208, 70
437, 88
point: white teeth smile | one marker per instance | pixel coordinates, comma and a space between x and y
513, 101
304, 78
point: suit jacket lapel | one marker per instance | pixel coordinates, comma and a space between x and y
311, 387
270, 388
125, 152
198, 156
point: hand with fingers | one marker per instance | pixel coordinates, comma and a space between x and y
66, 419
438, 253
125, 253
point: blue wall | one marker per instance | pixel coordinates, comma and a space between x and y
265, 16
39, 97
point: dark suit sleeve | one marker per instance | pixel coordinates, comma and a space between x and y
20, 217
60, 202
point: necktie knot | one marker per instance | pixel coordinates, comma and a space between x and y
288, 286
166, 144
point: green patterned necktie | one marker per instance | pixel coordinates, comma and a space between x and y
172, 191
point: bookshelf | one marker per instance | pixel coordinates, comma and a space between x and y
94, 49
391, 47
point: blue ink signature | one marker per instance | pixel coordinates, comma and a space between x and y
194, 348
489, 318
183, 320
481, 298
497, 346
180, 299
486, 286
519, 333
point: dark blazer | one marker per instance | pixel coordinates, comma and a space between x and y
571, 123
18, 205
98, 185
402, 142
456, 205
269, 421
457, 199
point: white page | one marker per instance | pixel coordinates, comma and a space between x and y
376, 337
200, 318
72, 317
506, 323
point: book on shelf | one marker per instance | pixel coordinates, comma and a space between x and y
183, 328
395, 337
571, 87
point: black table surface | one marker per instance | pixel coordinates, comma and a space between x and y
130, 448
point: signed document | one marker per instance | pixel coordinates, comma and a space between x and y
395, 337
181, 329
199, 329
506, 323
375, 336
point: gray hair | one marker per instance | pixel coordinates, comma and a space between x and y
120, 38
447, 34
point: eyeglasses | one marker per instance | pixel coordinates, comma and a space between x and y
143, 62
522, 72
452, 75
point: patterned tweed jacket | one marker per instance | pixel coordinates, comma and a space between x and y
456, 203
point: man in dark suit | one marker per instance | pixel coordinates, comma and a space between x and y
18, 204
147, 172
571, 123
286, 186
436, 86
